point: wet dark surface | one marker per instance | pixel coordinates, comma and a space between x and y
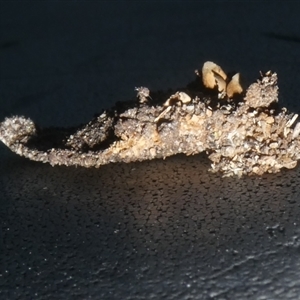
159, 229
162, 229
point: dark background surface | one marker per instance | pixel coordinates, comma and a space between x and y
163, 229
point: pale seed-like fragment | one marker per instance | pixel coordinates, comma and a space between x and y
234, 86
292, 120
211, 74
273, 145
270, 120
180, 97
183, 97
208, 112
221, 84
152, 152
296, 131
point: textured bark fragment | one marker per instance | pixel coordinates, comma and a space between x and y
246, 136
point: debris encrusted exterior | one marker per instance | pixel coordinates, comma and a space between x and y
247, 136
